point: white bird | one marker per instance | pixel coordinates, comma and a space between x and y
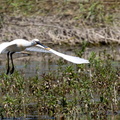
19, 45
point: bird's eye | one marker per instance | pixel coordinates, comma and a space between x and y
37, 42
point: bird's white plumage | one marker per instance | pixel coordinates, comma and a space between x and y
73, 59
3, 46
21, 44
16, 45
69, 58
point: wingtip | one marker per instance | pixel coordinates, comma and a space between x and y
84, 61
87, 61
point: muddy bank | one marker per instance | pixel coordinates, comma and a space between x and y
56, 30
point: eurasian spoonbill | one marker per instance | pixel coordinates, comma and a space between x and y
19, 45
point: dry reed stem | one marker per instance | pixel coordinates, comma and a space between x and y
56, 31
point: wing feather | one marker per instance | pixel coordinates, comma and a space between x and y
5, 47
37, 49
69, 58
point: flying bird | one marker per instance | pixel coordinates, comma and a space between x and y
19, 45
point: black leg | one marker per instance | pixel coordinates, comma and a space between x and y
8, 66
12, 70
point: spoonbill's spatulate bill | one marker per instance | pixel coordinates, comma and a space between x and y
19, 45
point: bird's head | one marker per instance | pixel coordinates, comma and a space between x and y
37, 42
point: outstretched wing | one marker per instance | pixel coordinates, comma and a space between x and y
5, 47
73, 59
37, 49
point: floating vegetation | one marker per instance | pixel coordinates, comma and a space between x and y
71, 91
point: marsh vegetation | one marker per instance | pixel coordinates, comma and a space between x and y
70, 91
